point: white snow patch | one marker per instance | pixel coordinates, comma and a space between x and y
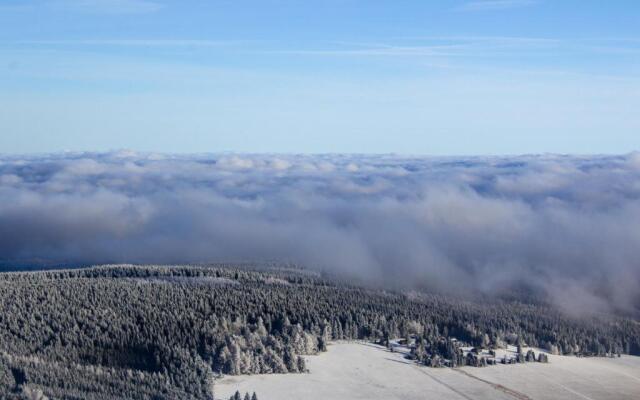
366, 371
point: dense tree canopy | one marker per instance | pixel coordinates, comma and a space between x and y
145, 332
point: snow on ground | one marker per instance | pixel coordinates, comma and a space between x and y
366, 371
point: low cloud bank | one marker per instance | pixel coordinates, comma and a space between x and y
567, 227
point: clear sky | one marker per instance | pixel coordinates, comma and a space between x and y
359, 76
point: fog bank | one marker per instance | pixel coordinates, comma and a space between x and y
566, 226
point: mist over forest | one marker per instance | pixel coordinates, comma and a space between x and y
564, 227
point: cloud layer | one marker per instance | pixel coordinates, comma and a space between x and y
566, 227
486, 5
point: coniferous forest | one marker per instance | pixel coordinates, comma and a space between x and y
166, 332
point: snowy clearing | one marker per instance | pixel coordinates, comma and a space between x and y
367, 371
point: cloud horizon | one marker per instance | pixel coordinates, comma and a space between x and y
562, 226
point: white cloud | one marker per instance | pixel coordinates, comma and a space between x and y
445, 223
485, 5
110, 6
134, 42
634, 160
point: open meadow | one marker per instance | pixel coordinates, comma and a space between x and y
360, 370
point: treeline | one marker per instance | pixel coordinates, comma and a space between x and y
238, 396
146, 332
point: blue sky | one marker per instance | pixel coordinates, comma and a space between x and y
420, 77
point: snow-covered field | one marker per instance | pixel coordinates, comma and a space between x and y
366, 371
